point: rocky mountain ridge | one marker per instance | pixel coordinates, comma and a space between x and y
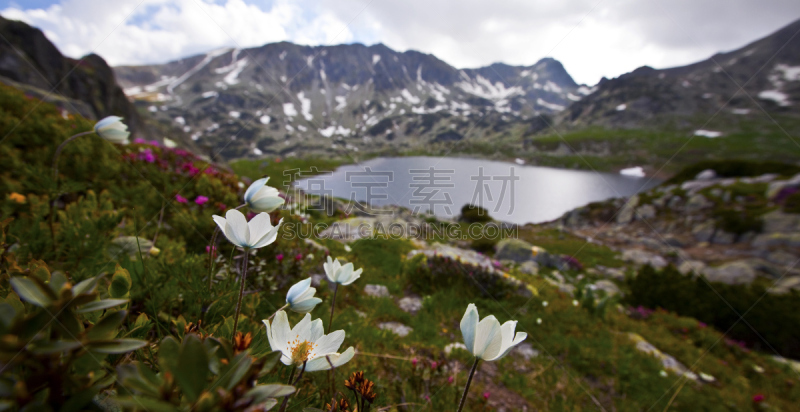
284, 98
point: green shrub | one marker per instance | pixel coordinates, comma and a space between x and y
427, 275
475, 214
776, 318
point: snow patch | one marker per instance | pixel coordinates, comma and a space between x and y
622, 107
289, 110
740, 111
551, 106
482, 87
211, 94
633, 171
234, 114
257, 151
180, 120
790, 73
586, 90
375, 59
341, 103
282, 55
552, 87
573, 97
302, 128
777, 96
264, 119
410, 97
152, 109
305, 106
334, 130
707, 133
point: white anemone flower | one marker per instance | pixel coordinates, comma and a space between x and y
487, 340
300, 297
112, 129
262, 198
255, 234
306, 343
341, 274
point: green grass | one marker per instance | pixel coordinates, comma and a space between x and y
281, 171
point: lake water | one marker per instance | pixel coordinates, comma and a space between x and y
511, 192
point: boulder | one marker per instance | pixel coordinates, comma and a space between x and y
785, 285
530, 268
703, 232
779, 222
783, 258
376, 291
697, 202
695, 266
625, 214
514, 249
722, 237
607, 286
410, 304
776, 239
707, 174
645, 212
396, 327
733, 273
642, 257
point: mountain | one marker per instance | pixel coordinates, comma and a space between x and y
29, 61
767, 70
285, 99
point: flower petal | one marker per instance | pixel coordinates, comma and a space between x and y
270, 237
254, 188
329, 343
258, 226
220, 221
353, 276
236, 229
297, 290
317, 331
506, 337
485, 334
306, 305
469, 324
321, 363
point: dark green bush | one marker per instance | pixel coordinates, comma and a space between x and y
427, 275
776, 318
734, 168
792, 203
475, 214
484, 245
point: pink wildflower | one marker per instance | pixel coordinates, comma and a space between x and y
486, 395
279, 257
201, 200
180, 199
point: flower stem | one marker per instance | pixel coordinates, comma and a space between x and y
241, 292
276, 312
211, 260
333, 304
469, 381
286, 398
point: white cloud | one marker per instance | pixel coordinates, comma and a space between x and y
593, 38
163, 30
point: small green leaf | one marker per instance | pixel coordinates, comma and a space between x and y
120, 283
86, 286
262, 392
57, 281
107, 327
147, 404
192, 368
271, 359
55, 347
100, 305
13, 300
32, 292
168, 352
117, 346
237, 370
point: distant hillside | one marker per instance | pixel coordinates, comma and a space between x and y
285, 99
767, 70
32, 63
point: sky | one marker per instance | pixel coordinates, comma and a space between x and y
592, 38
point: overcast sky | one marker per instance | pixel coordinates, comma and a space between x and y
592, 38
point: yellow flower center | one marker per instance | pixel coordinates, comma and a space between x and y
301, 351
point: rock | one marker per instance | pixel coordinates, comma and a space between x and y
607, 286
706, 175
674, 202
733, 273
613, 273
525, 350
672, 241
645, 212
410, 304
703, 232
625, 214
775, 187
376, 291
315, 245
576, 218
530, 268
642, 257
776, 239
455, 345
566, 288
785, 285
779, 222
668, 362
697, 202
514, 249
396, 327
782, 258
695, 266
722, 237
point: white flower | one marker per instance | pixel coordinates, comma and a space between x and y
169, 143
538, 321
544, 303
301, 297
487, 339
256, 234
112, 129
306, 342
343, 275
262, 198
663, 374
347, 248
575, 303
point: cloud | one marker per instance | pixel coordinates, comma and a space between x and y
153, 31
592, 38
